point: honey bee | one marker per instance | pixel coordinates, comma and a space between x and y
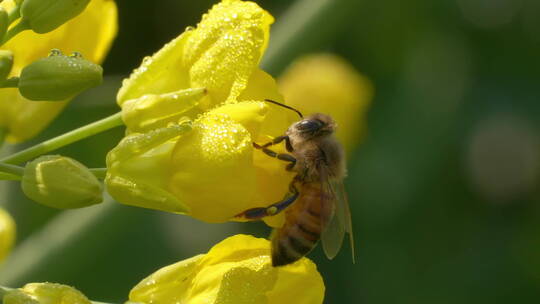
320, 209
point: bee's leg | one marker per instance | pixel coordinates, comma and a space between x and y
277, 140
280, 156
258, 213
288, 145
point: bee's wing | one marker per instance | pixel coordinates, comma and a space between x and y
344, 212
340, 221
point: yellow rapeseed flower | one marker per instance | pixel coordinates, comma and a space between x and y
7, 233
192, 111
91, 34
238, 270
328, 84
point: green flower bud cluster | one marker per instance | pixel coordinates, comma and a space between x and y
61, 182
58, 77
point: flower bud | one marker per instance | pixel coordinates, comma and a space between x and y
7, 233
45, 293
6, 63
44, 16
60, 182
58, 77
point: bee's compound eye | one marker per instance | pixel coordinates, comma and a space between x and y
309, 125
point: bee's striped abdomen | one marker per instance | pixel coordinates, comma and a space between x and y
305, 220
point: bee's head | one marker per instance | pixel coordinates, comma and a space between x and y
316, 125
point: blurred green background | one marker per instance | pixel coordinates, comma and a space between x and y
444, 189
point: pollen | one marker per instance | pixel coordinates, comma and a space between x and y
271, 210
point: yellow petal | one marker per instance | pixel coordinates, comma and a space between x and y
261, 86
328, 84
163, 72
7, 233
219, 55
154, 111
226, 48
213, 170
218, 174
250, 114
169, 284
295, 275
237, 270
91, 34
272, 178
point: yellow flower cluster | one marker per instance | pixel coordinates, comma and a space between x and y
91, 34
208, 76
238, 270
193, 109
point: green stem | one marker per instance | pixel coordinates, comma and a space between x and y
6, 176
12, 82
12, 32
99, 126
3, 133
11, 169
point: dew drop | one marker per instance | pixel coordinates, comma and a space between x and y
55, 52
147, 60
76, 55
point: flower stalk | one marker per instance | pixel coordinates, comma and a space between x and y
3, 133
12, 82
91, 129
12, 32
11, 169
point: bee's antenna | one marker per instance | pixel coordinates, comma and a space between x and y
285, 106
